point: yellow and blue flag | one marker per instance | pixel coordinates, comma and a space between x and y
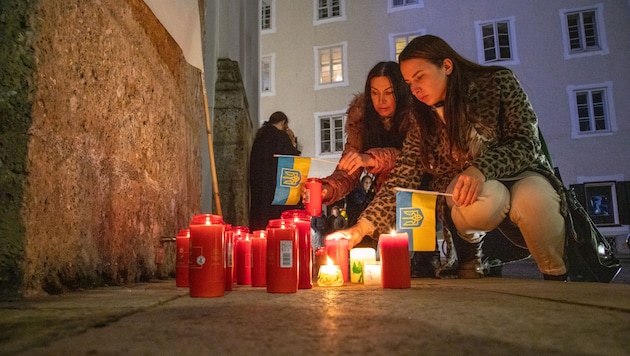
415, 215
292, 174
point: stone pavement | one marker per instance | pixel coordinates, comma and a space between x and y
513, 315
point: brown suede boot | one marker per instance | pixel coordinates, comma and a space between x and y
469, 256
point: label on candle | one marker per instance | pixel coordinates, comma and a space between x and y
286, 254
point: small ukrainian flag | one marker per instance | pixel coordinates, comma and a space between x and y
292, 174
415, 215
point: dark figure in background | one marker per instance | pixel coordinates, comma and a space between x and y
318, 230
335, 220
271, 139
359, 198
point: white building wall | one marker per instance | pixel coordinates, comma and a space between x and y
542, 67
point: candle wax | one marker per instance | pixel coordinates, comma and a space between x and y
395, 269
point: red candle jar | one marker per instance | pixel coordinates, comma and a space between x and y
337, 250
243, 257
394, 250
207, 265
259, 259
302, 222
313, 197
237, 234
282, 257
182, 243
229, 259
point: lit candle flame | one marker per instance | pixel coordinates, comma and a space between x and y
329, 261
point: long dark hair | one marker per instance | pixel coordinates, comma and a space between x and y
436, 50
374, 133
275, 118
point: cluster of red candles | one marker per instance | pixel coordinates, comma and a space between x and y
212, 256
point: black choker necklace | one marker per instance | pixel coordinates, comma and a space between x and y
439, 104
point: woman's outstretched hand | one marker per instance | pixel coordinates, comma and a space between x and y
354, 234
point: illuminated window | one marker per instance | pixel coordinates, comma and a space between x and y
330, 62
583, 31
330, 133
591, 110
398, 42
496, 41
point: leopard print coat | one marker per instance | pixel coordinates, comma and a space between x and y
503, 142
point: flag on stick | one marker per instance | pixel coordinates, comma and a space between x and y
415, 215
292, 174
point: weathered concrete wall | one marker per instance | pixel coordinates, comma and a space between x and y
233, 137
113, 155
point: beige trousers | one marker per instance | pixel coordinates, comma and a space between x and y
531, 203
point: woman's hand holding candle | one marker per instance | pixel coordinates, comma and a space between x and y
354, 234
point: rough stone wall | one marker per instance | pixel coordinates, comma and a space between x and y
233, 137
113, 156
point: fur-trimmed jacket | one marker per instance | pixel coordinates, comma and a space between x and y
340, 182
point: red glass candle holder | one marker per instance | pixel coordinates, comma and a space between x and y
302, 222
207, 266
259, 259
182, 243
282, 257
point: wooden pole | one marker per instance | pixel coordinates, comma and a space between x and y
213, 168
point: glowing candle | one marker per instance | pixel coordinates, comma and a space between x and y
182, 241
320, 259
282, 257
372, 273
329, 275
238, 234
337, 250
357, 257
395, 270
259, 259
302, 222
207, 269
243, 257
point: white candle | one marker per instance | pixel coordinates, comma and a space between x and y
357, 257
372, 273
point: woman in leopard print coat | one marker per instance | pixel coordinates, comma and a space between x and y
477, 137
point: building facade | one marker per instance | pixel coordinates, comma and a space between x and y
570, 56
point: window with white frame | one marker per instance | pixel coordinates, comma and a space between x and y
496, 41
267, 81
331, 66
267, 16
330, 133
326, 11
399, 5
583, 31
398, 42
592, 110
